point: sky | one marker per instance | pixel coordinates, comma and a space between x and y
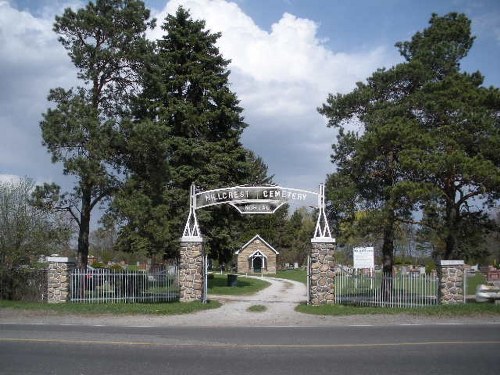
286, 57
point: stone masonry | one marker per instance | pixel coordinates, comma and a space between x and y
257, 244
451, 282
59, 271
191, 272
322, 273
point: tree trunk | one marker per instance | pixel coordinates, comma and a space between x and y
83, 234
388, 256
451, 236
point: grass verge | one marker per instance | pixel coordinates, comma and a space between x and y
244, 286
257, 308
171, 308
463, 310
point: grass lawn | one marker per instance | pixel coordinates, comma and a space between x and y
296, 275
244, 285
257, 308
468, 309
170, 308
473, 282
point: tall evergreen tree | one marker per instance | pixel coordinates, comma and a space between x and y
371, 176
197, 123
426, 138
105, 41
460, 119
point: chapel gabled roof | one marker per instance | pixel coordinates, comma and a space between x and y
257, 237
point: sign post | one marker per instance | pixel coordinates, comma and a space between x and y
364, 258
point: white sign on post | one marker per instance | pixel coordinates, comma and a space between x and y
363, 257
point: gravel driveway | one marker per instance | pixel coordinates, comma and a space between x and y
280, 300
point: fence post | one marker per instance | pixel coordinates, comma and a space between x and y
451, 282
58, 278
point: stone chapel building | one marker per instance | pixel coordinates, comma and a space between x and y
257, 256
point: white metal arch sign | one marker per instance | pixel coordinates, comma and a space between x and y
255, 200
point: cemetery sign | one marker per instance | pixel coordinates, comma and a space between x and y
256, 200
363, 257
252, 199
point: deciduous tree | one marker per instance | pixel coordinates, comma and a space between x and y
26, 232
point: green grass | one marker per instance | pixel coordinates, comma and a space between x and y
257, 308
244, 286
171, 308
462, 310
299, 275
473, 282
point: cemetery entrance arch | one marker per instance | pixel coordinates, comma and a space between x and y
251, 200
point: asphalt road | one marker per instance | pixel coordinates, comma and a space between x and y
399, 349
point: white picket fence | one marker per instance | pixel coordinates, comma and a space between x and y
401, 290
107, 286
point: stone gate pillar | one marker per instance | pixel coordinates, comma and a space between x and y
322, 272
451, 282
191, 279
58, 278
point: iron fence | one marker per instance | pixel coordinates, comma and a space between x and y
108, 286
376, 289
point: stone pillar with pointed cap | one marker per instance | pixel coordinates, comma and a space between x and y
191, 267
321, 272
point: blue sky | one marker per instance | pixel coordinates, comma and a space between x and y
287, 55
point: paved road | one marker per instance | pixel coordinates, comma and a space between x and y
231, 340
399, 349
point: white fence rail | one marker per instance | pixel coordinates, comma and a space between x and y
107, 286
388, 291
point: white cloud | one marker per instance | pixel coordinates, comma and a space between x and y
31, 62
281, 76
289, 62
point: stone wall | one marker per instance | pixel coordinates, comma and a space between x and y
451, 282
191, 278
322, 273
58, 278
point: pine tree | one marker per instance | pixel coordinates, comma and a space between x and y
193, 124
426, 141
105, 41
